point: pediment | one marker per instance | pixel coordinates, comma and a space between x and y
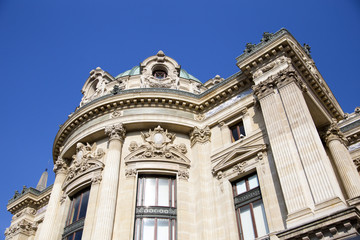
238, 155
158, 147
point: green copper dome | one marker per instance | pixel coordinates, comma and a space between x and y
136, 71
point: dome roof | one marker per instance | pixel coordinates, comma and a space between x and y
136, 71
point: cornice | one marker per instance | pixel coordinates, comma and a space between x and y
151, 97
282, 43
30, 198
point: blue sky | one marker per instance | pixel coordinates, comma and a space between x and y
48, 48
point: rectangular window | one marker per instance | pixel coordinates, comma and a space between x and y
77, 212
237, 131
249, 208
155, 217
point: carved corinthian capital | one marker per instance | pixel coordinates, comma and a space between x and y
60, 166
200, 135
116, 131
265, 88
334, 133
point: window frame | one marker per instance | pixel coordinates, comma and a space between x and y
238, 126
248, 198
72, 227
156, 211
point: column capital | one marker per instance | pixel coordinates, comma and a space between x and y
265, 88
334, 133
116, 131
60, 166
200, 135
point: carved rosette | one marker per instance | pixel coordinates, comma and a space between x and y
240, 168
116, 131
60, 166
130, 172
183, 174
24, 226
334, 133
201, 135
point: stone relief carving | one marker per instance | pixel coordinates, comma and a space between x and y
97, 179
130, 172
63, 198
24, 226
116, 114
158, 144
86, 157
116, 131
278, 61
201, 135
183, 174
60, 165
30, 211
357, 163
199, 117
240, 168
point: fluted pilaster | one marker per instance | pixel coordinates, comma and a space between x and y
109, 185
308, 142
288, 164
49, 230
336, 141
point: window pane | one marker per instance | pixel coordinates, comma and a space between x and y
162, 229
139, 194
240, 187
242, 129
76, 209
137, 229
246, 223
234, 133
163, 197
148, 232
253, 181
173, 193
173, 230
70, 237
260, 218
150, 191
84, 203
78, 235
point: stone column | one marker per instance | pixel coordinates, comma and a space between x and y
205, 200
109, 186
350, 178
91, 208
49, 228
307, 139
293, 181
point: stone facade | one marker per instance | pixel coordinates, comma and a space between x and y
276, 119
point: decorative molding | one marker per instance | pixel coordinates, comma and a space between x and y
74, 226
86, 159
278, 61
130, 172
357, 163
199, 117
236, 158
201, 135
28, 210
158, 145
240, 167
60, 166
155, 212
23, 227
183, 174
116, 114
116, 131
96, 180
249, 196
63, 198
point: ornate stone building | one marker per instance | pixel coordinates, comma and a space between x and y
153, 153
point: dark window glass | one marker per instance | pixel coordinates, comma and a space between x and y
237, 131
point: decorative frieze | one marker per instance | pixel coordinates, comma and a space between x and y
116, 131
201, 135
24, 226
240, 168
158, 144
278, 61
155, 212
29, 211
